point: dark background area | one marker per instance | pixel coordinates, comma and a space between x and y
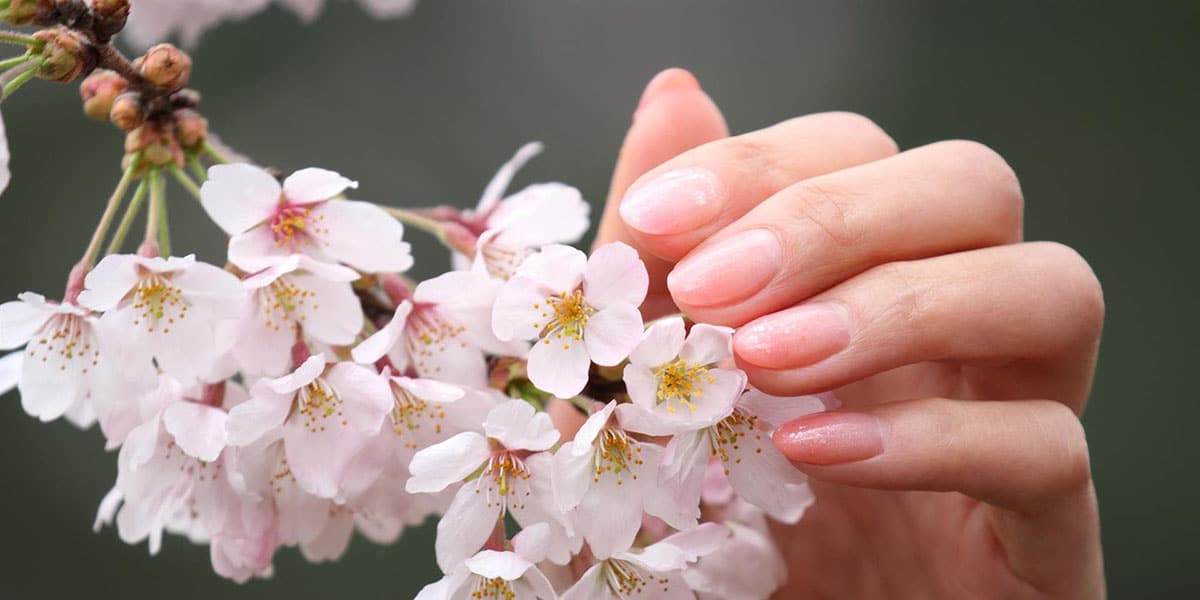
1094, 108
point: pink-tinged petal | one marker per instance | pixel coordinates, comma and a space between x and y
312, 368
495, 188
10, 371
571, 475
430, 390
708, 344
50, 383
212, 288
559, 367
332, 314
557, 268
445, 588
326, 270
186, 349
777, 410
615, 275
519, 427
532, 542
332, 543
20, 320
697, 542
464, 528
238, 197
279, 267
538, 584
633, 417
519, 309
255, 249
314, 185
543, 213
251, 420
642, 386
107, 509
492, 564
302, 516
761, 475
264, 344
681, 478
140, 445
440, 465
591, 428
610, 514
366, 395
451, 360
108, 283
199, 430
458, 290
388, 337
716, 402
612, 333
722, 574
716, 490
660, 343
319, 453
590, 586
363, 236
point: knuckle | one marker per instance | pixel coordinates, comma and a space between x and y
909, 305
824, 206
863, 131
979, 162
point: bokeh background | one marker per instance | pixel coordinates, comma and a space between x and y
1094, 107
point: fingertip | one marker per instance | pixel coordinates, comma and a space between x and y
667, 81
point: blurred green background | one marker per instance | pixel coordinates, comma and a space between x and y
1094, 108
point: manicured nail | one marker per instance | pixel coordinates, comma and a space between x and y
667, 81
796, 337
727, 271
674, 202
831, 438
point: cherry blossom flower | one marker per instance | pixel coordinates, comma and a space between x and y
513, 476
656, 570
578, 309
303, 215
723, 573
326, 414
676, 384
491, 574
443, 331
602, 481
296, 294
741, 442
62, 356
164, 308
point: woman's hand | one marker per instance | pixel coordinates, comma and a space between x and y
957, 466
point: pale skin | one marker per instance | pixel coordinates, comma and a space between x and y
963, 356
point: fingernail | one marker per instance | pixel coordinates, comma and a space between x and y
831, 438
673, 79
728, 271
796, 337
674, 202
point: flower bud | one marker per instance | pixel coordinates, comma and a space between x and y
66, 55
109, 17
191, 128
127, 111
185, 98
21, 12
157, 145
99, 91
166, 66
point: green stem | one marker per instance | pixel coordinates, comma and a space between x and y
420, 222
197, 168
15, 61
13, 37
156, 223
131, 212
21, 78
185, 181
215, 154
110, 210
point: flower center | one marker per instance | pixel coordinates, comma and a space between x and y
616, 453
294, 225
567, 315
282, 298
728, 435
157, 302
65, 338
681, 382
503, 479
408, 413
430, 334
316, 403
624, 578
494, 588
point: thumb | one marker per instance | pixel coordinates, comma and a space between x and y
673, 116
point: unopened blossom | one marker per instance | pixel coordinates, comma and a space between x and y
303, 215
511, 475
491, 574
324, 412
443, 332
741, 443
655, 571
62, 359
167, 309
603, 480
578, 310
296, 294
677, 384
513, 227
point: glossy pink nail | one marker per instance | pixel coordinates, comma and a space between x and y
796, 337
831, 438
674, 202
727, 271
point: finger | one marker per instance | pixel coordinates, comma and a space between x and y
1034, 309
1028, 458
673, 116
679, 204
932, 200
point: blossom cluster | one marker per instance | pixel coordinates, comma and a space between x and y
306, 389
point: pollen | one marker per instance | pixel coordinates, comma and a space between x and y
412, 417
505, 480
156, 301
727, 436
317, 403
428, 335
295, 225
67, 340
617, 455
566, 317
283, 303
681, 383
493, 588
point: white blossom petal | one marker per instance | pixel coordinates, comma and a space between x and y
310, 185
559, 367
660, 343
109, 282
519, 427
363, 236
19, 320
495, 188
612, 333
615, 275
239, 196
375, 347
558, 268
707, 344
465, 527
446, 463
198, 429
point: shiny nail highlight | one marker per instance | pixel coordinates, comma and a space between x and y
674, 202
831, 438
796, 337
733, 269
